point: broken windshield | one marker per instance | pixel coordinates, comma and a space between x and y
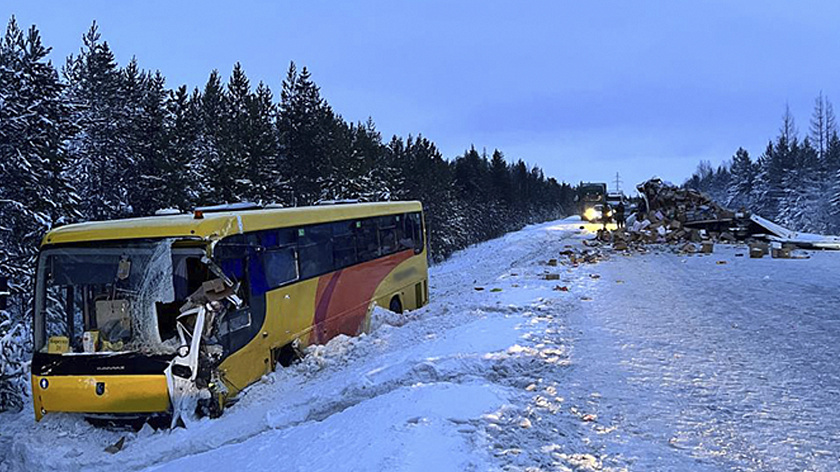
114, 298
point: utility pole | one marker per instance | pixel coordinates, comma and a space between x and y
617, 183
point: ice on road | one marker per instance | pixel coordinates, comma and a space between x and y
734, 364
646, 362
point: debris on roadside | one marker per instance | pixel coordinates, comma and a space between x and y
677, 215
758, 250
116, 447
689, 222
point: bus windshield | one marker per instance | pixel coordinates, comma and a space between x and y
126, 295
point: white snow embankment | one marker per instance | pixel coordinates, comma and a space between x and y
456, 385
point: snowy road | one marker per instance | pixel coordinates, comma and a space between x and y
735, 365
648, 362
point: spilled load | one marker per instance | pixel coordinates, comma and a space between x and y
672, 214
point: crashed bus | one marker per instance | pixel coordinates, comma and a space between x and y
164, 317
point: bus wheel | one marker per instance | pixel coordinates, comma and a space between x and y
288, 354
211, 407
396, 305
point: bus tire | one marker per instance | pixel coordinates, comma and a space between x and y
288, 354
396, 305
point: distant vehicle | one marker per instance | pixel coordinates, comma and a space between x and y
614, 199
148, 317
598, 213
589, 195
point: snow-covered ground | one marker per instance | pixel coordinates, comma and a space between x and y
647, 362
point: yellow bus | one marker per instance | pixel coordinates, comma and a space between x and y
170, 315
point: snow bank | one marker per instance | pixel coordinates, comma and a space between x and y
463, 383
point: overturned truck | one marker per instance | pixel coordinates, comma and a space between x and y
687, 214
168, 317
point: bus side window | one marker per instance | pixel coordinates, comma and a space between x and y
280, 258
344, 244
405, 236
280, 265
367, 240
316, 251
233, 254
415, 225
387, 226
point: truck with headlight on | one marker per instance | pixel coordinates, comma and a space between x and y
591, 198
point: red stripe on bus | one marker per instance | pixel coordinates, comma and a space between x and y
323, 307
341, 305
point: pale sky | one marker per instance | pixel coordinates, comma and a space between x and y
582, 89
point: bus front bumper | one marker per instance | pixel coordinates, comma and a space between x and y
99, 394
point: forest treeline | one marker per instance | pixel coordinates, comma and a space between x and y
94, 140
794, 182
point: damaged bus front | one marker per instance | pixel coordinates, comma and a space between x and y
131, 329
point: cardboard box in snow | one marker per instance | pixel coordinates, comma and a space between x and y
758, 250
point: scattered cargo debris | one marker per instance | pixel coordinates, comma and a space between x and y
674, 215
758, 250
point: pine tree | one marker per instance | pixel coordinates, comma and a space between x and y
263, 164
182, 174
500, 178
229, 174
743, 180
34, 193
306, 127
211, 123
768, 182
146, 96
360, 166
101, 151
820, 125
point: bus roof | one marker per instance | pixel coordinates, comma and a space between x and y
216, 225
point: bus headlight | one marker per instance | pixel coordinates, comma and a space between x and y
590, 214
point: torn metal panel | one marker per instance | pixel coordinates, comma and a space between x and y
774, 232
181, 373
